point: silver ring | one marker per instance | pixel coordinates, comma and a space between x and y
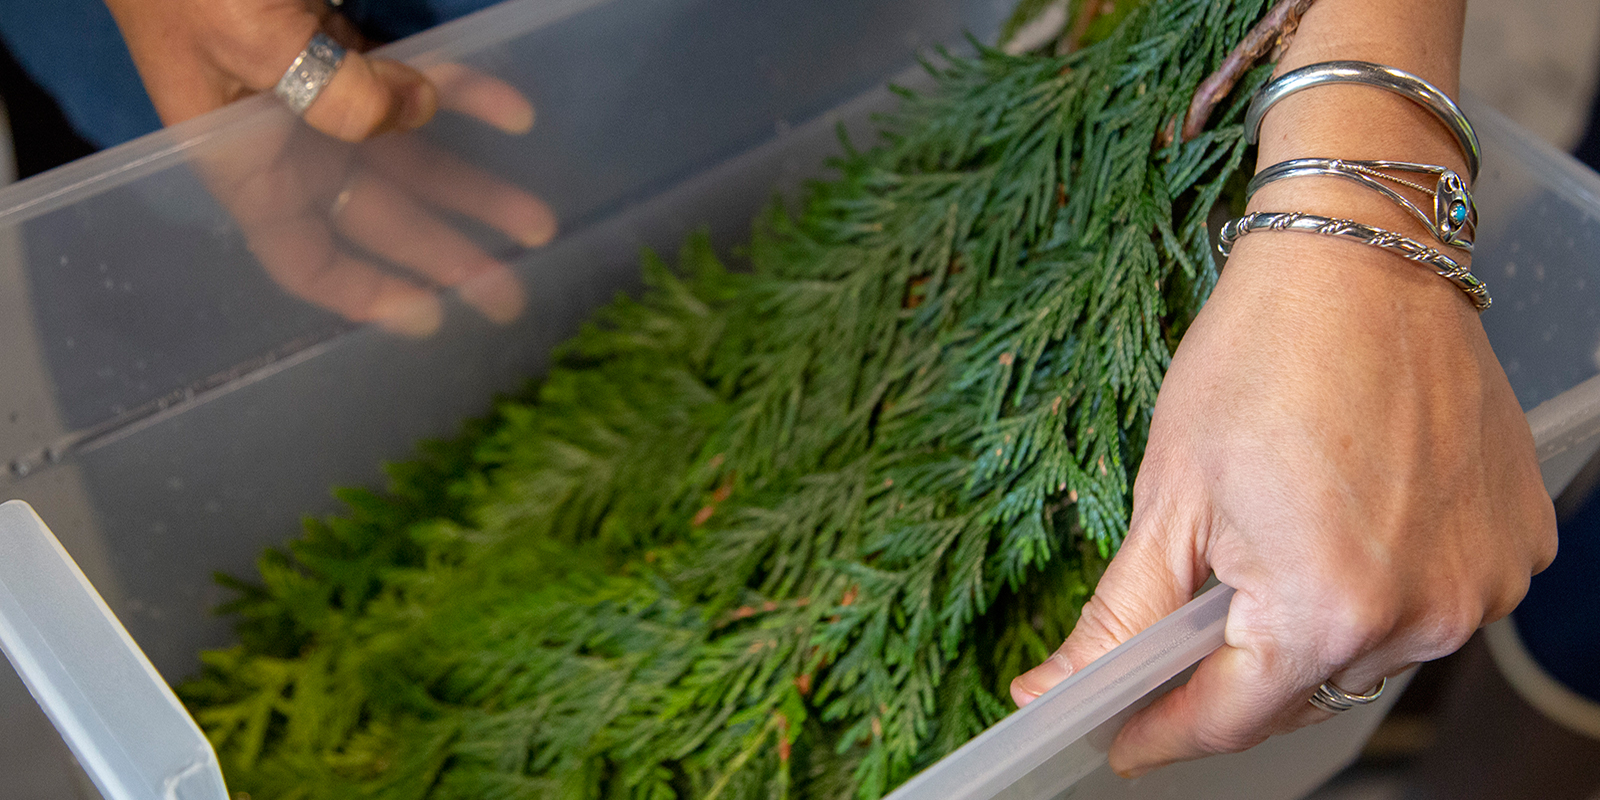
342, 199
1400, 82
1330, 698
310, 73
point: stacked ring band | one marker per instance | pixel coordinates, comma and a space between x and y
1400, 82
1454, 214
1410, 249
1330, 698
310, 72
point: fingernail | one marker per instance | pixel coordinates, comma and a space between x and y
538, 226
415, 317
1129, 773
497, 294
418, 106
515, 119
1029, 685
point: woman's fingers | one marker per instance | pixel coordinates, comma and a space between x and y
290, 193
490, 100
1258, 684
1232, 702
302, 257
198, 55
258, 40
1151, 576
379, 217
447, 182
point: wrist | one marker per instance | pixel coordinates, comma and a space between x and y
1365, 123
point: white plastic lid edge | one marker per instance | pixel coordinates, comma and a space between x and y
1005, 754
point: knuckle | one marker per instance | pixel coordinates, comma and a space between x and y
1506, 597
249, 41
1100, 619
1446, 633
364, 115
1357, 623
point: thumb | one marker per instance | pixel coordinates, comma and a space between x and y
369, 96
365, 97
1152, 576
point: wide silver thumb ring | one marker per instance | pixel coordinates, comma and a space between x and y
310, 73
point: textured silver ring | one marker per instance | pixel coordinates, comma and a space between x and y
1400, 82
1330, 698
310, 73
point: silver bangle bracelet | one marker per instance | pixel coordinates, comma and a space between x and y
1410, 249
1400, 82
1454, 214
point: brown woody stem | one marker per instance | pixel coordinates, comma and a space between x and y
1088, 12
1274, 31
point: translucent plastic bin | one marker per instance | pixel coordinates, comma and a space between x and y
170, 410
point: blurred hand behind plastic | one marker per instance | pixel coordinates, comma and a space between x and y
1336, 440
360, 230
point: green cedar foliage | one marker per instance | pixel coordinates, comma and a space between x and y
786, 531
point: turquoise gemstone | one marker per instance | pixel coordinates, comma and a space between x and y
1458, 212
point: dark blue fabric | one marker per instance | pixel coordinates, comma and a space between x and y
388, 20
1559, 620
74, 51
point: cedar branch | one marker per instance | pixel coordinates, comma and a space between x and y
1274, 31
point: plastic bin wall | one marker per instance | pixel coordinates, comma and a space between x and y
171, 410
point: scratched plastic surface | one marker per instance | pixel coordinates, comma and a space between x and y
171, 410
202, 409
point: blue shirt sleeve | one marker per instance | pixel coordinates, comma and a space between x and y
73, 50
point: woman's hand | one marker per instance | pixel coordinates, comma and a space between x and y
365, 231
1335, 440
197, 55
371, 231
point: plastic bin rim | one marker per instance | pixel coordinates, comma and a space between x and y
1576, 182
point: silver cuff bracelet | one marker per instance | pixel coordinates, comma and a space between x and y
1454, 215
1400, 82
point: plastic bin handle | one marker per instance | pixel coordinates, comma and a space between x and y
121, 720
1045, 747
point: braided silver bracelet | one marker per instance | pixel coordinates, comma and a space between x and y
1454, 213
1410, 249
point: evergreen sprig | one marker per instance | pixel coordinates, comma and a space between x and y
786, 531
